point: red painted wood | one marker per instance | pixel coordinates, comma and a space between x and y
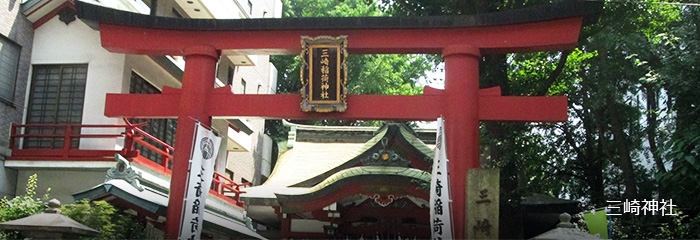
461, 124
527, 109
152, 165
46, 18
524, 37
355, 213
406, 230
361, 107
142, 105
286, 224
362, 186
71, 153
230, 201
366, 107
198, 79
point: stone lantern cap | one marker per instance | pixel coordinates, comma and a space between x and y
565, 230
51, 221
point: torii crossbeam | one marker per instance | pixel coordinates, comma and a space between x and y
461, 40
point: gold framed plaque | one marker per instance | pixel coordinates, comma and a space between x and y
324, 74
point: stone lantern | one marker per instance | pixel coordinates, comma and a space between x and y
50, 224
565, 230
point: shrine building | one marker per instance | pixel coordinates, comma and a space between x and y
348, 182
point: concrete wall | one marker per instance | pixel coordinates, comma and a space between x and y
14, 26
247, 165
166, 7
63, 182
76, 43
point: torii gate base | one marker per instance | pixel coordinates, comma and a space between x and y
460, 39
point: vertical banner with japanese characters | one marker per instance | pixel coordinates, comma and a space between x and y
206, 147
440, 201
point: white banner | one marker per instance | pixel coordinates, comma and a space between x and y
440, 201
206, 147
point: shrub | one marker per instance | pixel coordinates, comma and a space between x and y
102, 216
21, 206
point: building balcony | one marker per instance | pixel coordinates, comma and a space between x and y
76, 148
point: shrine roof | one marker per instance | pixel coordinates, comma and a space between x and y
154, 202
565, 9
364, 173
307, 159
313, 166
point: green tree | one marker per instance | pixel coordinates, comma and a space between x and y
633, 69
102, 216
680, 77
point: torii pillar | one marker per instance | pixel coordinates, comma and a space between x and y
198, 78
461, 123
460, 39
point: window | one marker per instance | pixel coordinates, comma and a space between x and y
163, 129
243, 83
229, 76
56, 96
9, 61
229, 174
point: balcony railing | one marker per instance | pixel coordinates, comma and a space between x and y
222, 185
64, 146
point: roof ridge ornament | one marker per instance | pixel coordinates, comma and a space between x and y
385, 157
124, 171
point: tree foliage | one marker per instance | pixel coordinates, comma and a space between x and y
367, 74
102, 216
99, 215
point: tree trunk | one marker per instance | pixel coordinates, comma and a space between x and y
594, 179
652, 122
592, 155
623, 149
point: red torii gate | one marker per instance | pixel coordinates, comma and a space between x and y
460, 39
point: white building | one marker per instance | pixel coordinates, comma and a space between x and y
66, 80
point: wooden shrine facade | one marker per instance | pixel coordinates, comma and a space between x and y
343, 189
462, 41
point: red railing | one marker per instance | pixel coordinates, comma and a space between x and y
67, 133
132, 134
222, 185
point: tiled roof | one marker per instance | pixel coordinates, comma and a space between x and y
328, 163
307, 159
